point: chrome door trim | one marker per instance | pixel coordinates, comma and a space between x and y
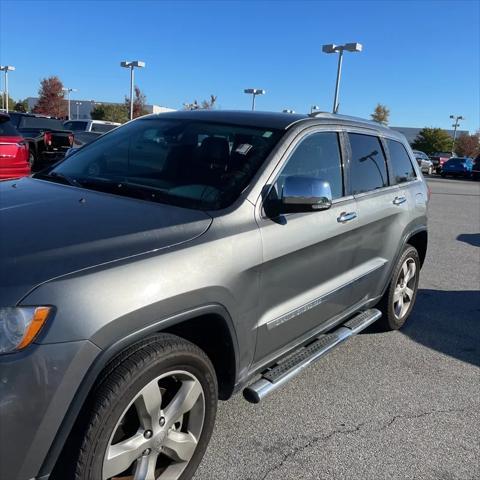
317, 301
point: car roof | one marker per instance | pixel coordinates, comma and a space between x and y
274, 120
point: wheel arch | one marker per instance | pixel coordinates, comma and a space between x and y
213, 318
419, 240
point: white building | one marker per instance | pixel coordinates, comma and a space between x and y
81, 109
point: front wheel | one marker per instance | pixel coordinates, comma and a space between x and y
152, 415
397, 302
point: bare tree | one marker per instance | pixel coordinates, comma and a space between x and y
381, 114
204, 105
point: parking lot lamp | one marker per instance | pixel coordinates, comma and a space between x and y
455, 126
131, 65
78, 104
254, 92
68, 90
6, 69
332, 48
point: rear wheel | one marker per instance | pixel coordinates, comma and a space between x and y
152, 415
397, 303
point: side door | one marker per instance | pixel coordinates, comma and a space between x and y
383, 212
307, 257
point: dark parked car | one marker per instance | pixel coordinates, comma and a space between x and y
476, 168
184, 257
13, 151
458, 167
46, 137
438, 159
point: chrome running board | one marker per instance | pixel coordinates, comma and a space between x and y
281, 373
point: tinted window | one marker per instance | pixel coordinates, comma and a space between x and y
402, 169
102, 127
41, 122
6, 128
317, 156
163, 160
368, 170
75, 126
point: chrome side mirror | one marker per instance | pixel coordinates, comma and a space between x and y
305, 194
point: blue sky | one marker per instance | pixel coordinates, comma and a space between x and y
420, 58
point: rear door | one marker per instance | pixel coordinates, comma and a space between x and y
307, 265
383, 210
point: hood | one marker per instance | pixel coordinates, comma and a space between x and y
48, 230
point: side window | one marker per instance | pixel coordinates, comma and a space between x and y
368, 170
317, 156
402, 169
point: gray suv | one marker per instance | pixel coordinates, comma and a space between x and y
184, 257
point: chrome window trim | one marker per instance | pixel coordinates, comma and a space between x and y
289, 152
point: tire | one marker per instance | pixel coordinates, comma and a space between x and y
393, 317
31, 160
139, 399
442, 175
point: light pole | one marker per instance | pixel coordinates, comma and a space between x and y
455, 126
68, 90
6, 69
131, 66
254, 92
78, 104
332, 48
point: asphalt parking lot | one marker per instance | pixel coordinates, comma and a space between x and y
384, 405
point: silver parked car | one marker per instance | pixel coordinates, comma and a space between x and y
425, 164
182, 258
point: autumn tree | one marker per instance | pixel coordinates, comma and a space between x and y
110, 112
204, 105
468, 145
51, 101
139, 102
381, 114
431, 140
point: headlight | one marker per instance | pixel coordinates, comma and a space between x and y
19, 326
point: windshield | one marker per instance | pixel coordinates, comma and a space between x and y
187, 163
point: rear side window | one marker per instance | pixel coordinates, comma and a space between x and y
402, 168
6, 128
317, 156
368, 170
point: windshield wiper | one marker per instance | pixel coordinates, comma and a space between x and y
55, 176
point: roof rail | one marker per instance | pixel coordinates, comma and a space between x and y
346, 118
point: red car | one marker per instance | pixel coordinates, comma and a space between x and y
13, 151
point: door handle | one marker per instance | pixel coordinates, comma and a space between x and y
346, 217
399, 200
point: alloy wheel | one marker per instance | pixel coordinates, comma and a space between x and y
404, 292
158, 432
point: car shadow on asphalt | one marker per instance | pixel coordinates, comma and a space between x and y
447, 321
470, 238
